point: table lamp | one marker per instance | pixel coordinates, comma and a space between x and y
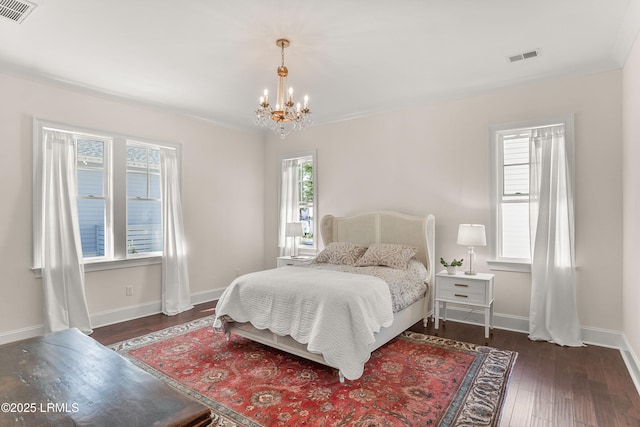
471, 235
294, 230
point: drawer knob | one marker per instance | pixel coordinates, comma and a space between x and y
464, 285
461, 295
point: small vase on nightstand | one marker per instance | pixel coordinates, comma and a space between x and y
451, 266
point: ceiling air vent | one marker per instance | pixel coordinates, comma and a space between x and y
16, 10
524, 55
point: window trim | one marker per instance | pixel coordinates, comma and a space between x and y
117, 185
497, 263
305, 251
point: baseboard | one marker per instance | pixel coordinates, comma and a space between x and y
21, 334
476, 317
206, 296
590, 336
110, 317
632, 362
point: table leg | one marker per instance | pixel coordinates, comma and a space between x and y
487, 321
491, 320
444, 318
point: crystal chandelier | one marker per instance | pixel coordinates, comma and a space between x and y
286, 115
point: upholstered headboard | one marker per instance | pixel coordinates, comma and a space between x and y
385, 227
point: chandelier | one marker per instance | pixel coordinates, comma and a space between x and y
286, 115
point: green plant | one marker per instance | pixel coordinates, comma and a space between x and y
454, 263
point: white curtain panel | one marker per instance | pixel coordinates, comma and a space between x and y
65, 303
553, 314
289, 202
176, 296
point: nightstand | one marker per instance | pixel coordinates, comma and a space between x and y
288, 260
473, 290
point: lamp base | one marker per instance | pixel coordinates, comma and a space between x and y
471, 262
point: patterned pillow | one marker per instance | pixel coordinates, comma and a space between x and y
387, 254
344, 253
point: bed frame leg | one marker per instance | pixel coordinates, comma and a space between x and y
425, 322
341, 377
228, 336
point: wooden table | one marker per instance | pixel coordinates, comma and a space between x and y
67, 378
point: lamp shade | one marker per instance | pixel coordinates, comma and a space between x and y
471, 235
294, 229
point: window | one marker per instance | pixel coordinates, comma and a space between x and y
92, 155
511, 164
144, 222
298, 199
119, 197
514, 196
305, 204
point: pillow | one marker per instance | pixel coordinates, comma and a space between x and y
344, 253
387, 254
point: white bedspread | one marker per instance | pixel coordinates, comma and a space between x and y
350, 307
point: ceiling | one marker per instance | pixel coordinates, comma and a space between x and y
213, 59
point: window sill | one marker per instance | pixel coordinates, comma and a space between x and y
517, 266
112, 264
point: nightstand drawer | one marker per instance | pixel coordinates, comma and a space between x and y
462, 295
461, 284
283, 261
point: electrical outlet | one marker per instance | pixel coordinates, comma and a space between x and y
129, 290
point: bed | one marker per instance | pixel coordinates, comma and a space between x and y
336, 313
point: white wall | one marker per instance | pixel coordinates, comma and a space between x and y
631, 192
222, 171
436, 159
431, 159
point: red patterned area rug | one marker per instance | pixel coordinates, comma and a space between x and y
414, 380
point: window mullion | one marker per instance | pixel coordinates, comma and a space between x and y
119, 179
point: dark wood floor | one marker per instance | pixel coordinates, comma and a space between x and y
550, 385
